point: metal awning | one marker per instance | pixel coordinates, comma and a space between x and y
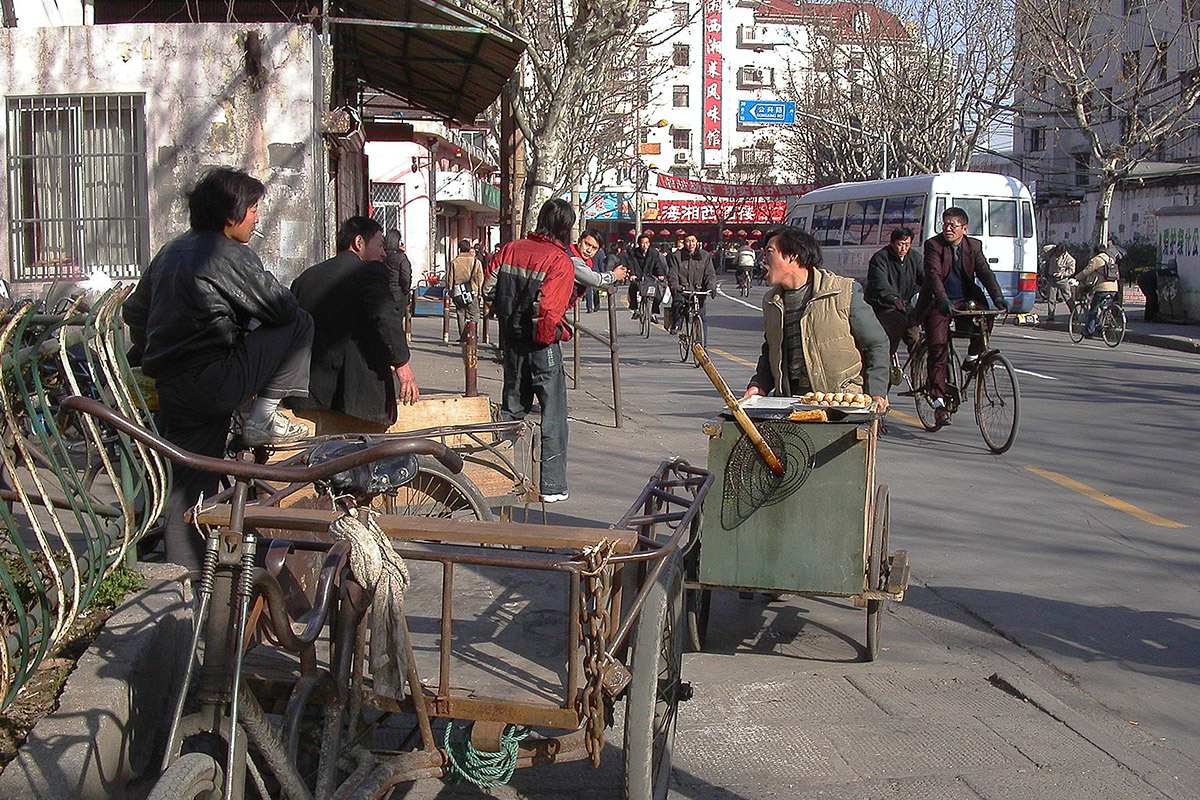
437, 57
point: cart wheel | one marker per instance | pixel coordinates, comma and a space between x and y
654, 691
193, 776
697, 603
879, 534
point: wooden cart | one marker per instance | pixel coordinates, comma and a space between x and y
820, 529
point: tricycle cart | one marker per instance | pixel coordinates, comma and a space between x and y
311, 674
820, 528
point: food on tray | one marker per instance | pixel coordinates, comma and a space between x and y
836, 399
809, 415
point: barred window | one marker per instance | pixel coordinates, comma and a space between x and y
77, 186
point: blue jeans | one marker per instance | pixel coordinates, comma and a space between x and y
537, 371
1093, 317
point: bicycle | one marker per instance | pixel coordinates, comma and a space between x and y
997, 393
691, 326
1110, 321
743, 282
650, 291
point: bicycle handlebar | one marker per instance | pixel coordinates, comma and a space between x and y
242, 469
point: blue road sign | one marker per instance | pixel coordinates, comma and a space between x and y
783, 111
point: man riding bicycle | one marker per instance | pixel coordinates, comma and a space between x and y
1104, 271
689, 270
746, 258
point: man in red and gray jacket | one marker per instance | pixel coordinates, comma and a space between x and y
529, 284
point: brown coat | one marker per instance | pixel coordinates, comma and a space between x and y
939, 257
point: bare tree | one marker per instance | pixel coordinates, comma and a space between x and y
584, 71
1087, 68
935, 77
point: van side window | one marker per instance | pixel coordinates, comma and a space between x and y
974, 208
1002, 218
1027, 219
914, 212
938, 210
893, 213
862, 222
827, 223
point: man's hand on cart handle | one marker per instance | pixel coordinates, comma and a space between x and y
753, 391
882, 402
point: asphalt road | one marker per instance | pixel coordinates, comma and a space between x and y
1079, 544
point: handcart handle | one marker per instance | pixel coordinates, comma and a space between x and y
743, 421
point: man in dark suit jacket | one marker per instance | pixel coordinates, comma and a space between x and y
359, 341
953, 261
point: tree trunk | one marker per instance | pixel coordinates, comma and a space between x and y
1108, 183
539, 180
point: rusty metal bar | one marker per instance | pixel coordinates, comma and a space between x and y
574, 634
444, 645
471, 359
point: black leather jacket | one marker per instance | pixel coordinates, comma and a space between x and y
196, 301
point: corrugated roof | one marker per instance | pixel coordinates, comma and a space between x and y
848, 20
437, 57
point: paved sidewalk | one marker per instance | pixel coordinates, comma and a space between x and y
1170, 336
783, 706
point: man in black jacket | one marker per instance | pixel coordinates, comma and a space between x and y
644, 263
893, 280
215, 330
359, 341
689, 269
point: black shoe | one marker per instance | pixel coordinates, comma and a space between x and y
941, 418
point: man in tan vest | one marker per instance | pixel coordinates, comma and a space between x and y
820, 334
466, 271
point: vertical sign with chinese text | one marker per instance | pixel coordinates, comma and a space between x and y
712, 75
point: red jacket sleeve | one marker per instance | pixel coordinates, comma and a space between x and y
555, 297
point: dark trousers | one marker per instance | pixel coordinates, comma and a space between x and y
537, 371
937, 339
1148, 283
1093, 317
197, 405
591, 298
898, 328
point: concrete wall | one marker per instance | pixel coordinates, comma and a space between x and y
202, 110
1179, 241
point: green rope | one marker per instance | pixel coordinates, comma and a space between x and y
480, 768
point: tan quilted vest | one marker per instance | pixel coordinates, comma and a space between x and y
834, 363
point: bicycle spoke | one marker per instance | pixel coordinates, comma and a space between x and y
997, 403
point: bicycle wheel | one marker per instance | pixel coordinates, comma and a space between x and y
656, 687
685, 344
192, 776
644, 318
438, 492
997, 402
1112, 325
697, 336
1078, 320
918, 378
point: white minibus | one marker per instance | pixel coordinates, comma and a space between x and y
853, 220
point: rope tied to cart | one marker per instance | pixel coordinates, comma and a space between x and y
378, 567
596, 586
479, 767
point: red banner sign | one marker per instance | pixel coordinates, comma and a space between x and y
710, 189
732, 212
712, 75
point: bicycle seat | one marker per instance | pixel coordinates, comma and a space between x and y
368, 480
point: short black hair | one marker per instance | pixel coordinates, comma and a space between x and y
793, 242
354, 227
593, 234
464, 245
958, 213
901, 233
221, 195
555, 219
645, 236
392, 241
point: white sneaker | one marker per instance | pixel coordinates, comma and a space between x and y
278, 429
555, 498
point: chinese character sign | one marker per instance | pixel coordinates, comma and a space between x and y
712, 75
731, 212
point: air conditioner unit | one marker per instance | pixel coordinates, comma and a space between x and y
681, 158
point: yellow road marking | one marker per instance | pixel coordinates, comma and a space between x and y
1107, 499
732, 357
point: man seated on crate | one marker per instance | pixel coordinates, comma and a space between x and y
820, 334
215, 331
360, 353
953, 261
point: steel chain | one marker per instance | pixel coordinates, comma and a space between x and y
596, 586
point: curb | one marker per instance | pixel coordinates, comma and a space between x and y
1182, 344
108, 726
